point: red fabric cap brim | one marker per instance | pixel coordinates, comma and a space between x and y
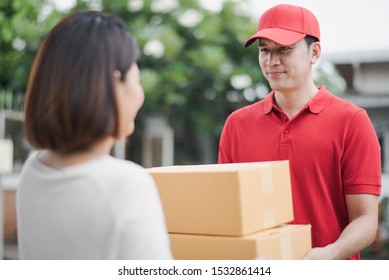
280, 36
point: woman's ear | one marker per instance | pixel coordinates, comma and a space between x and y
117, 81
118, 84
316, 52
117, 75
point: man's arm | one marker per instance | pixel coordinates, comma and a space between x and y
359, 233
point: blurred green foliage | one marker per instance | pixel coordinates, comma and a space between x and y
22, 26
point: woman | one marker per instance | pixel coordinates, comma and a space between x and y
75, 201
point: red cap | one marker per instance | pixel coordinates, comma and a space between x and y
286, 25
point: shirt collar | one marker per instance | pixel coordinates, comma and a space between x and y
318, 103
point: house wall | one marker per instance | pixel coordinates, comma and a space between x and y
372, 78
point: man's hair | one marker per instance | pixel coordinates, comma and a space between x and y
70, 100
310, 40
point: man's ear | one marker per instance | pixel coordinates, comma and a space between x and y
316, 52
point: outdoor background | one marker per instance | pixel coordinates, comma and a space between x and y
194, 68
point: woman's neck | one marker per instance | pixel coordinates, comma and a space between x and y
58, 160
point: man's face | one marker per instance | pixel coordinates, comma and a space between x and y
287, 68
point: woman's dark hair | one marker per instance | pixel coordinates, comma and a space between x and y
70, 99
310, 40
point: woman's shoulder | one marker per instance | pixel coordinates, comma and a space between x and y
117, 165
124, 172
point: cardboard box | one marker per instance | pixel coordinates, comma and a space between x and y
286, 242
225, 199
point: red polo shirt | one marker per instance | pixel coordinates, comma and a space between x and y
332, 149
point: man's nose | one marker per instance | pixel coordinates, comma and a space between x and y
273, 58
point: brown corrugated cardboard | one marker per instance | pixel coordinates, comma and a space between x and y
286, 242
225, 199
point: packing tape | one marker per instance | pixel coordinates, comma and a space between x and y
269, 219
286, 247
266, 179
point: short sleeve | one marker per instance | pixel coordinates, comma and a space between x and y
361, 160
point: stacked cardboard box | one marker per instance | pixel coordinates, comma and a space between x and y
231, 211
